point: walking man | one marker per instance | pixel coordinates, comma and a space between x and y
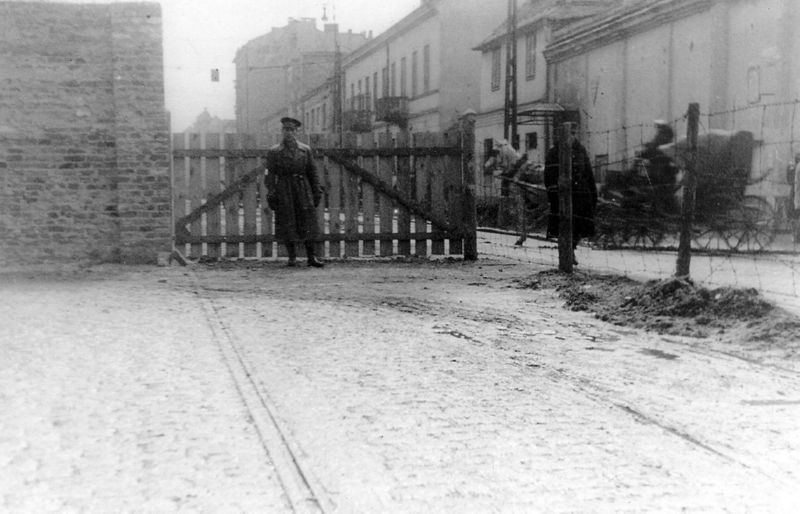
584, 191
293, 192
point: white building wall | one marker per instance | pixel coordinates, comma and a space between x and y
535, 89
490, 100
605, 100
737, 60
647, 89
693, 46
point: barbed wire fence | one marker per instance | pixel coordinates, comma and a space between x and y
744, 226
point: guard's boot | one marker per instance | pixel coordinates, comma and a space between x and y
292, 255
312, 260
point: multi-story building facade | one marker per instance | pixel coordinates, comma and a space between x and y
275, 70
317, 108
420, 74
738, 59
536, 113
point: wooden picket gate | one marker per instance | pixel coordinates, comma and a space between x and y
383, 198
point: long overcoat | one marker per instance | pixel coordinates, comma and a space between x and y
293, 192
584, 191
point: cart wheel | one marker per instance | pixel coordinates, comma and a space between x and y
644, 236
704, 237
609, 236
607, 227
752, 225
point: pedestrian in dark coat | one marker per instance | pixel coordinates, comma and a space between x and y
660, 169
584, 192
293, 192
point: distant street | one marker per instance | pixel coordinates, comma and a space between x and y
372, 387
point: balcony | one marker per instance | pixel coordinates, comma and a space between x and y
357, 120
392, 109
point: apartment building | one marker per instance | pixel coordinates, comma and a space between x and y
536, 22
738, 59
275, 70
420, 74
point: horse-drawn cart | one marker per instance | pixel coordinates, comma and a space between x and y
641, 208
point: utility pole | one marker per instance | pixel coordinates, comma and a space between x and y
510, 117
337, 78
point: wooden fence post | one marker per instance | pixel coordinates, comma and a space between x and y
689, 183
565, 251
470, 212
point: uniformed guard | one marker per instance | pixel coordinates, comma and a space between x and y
294, 192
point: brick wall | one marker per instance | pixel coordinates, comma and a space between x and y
84, 142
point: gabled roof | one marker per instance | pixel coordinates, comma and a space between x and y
533, 12
632, 17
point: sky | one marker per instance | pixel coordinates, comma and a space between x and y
200, 35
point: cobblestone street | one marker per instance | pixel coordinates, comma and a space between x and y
372, 387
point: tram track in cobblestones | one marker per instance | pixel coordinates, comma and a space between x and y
303, 493
531, 333
601, 396
588, 388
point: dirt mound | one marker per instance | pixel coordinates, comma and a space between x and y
679, 297
673, 306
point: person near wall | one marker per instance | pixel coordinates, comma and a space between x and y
293, 192
529, 176
584, 191
660, 169
507, 161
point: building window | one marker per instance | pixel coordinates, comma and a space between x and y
393, 81
496, 69
531, 140
352, 96
324, 117
414, 74
403, 91
426, 68
384, 82
530, 56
